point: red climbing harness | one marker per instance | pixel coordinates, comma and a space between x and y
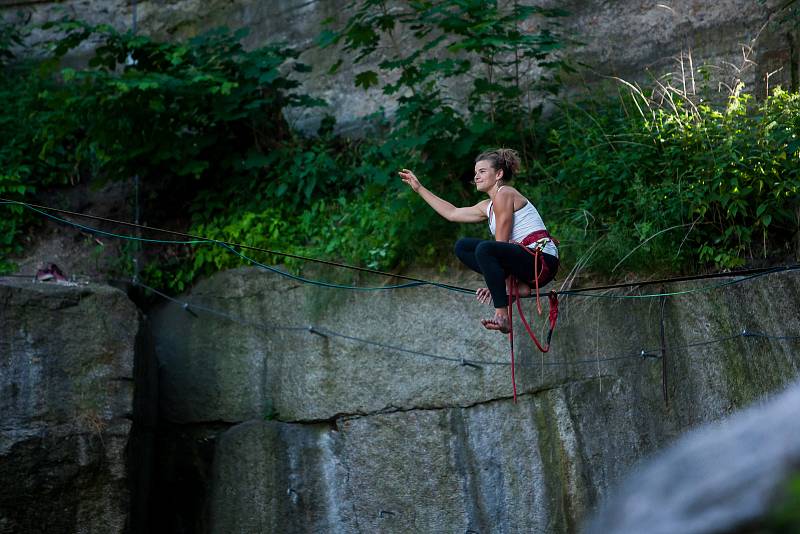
541, 275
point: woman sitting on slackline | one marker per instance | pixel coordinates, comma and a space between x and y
517, 226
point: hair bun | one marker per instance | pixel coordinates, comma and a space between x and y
510, 159
505, 159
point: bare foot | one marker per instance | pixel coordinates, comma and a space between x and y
483, 295
498, 322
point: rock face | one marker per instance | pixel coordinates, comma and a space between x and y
495, 467
335, 434
727, 40
292, 408
634, 39
66, 404
724, 477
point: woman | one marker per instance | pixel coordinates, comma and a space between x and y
516, 225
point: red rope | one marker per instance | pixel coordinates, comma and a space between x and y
536, 275
514, 295
511, 341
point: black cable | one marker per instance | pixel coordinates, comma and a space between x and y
641, 355
248, 247
743, 272
576, 292
325, 332
314, 330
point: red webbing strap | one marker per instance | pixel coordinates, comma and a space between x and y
553, 297
511, 336
514, 287
553, 314
529, 239
536, 274
530, 332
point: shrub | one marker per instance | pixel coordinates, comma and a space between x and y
725, 181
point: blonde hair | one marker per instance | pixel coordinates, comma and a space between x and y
505, 159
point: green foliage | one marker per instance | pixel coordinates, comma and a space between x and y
182, 116
462, 84
365, 229
27, 161
725, 181
784, 518
342, 200
629, 184
201, 109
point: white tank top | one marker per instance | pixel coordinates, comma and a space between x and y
526, 221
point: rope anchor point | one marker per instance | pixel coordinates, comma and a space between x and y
315, 331
185, 307
466, 363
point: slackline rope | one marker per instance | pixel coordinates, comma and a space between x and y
641, 355
746, 274
195, 240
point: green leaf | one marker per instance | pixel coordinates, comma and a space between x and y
269, 76
366, 79
256, 159
193, 167
335, 67
227, 87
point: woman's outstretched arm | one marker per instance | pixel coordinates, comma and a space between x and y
469, 214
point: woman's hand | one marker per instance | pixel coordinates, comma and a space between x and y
483, 295
408, 177
471, 214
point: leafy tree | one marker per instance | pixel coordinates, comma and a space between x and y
204, 109
724, 182
190, 116
428, 52
202, 122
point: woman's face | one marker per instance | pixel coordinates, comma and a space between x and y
486, 177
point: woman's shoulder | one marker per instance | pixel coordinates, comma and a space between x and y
510, 192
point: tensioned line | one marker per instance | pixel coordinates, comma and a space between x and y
745, 275
194, 239
643, 354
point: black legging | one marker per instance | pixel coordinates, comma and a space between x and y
495, 260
